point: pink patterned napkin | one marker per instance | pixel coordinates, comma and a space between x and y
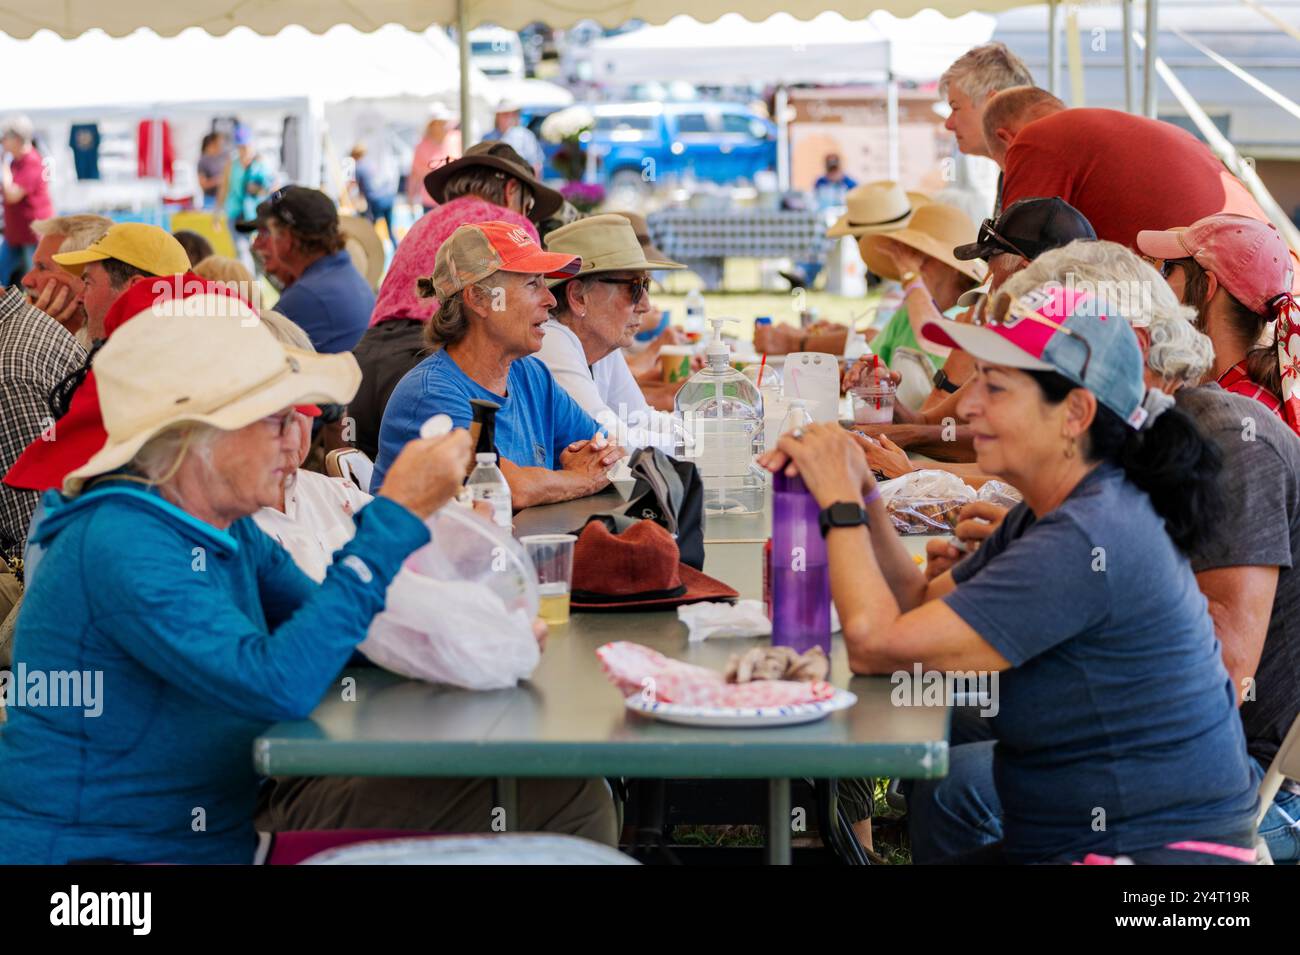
634, 668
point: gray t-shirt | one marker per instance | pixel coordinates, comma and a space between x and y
1261, 481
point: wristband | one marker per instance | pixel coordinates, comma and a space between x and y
872, 497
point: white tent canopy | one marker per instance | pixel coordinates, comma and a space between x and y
782, 50
70, 18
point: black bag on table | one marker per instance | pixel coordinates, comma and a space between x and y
668, 492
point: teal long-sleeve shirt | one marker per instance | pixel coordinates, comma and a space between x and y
202, 638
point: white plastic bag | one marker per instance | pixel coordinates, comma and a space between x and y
461, 609
926, 502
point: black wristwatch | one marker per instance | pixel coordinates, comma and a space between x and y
943, 382
842, 514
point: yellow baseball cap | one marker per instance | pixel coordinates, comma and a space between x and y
146, 247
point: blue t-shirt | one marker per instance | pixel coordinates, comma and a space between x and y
1117, 727
536, 422
331, 302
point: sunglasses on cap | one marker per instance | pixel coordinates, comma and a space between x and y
990, 236
1006, 313
273, 203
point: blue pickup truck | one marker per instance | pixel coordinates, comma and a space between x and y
638, 144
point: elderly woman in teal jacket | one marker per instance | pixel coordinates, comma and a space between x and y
150, 573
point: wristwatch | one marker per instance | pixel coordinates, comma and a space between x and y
842, 514
943, 382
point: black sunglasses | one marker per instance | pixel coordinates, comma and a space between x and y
1005, 313
990, 236
638, 286
273, 206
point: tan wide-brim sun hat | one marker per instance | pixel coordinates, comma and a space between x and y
500, 156
208, 360
642, 229
935, 230
606, 243
364, 247
872, 207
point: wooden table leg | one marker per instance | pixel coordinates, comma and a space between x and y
778, 822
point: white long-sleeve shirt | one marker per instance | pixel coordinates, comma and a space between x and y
607, 391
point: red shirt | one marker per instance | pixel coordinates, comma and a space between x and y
29, 175
1238, 382
1124, 172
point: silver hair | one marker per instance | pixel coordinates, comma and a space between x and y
561, 311
1128, 288
286, 331
984, 70
79, 231
160, 458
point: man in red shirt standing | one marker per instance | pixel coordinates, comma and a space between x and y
1125, 173
26, 197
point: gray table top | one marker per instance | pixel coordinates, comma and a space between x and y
569, 720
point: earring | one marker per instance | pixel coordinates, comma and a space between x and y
1069, 449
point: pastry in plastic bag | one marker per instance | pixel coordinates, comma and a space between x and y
777, 663
926, 502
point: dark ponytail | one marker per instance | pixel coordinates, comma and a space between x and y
1172, 461
60, 396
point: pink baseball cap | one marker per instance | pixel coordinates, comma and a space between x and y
1249, 257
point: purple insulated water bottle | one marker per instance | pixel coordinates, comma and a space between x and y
800, 571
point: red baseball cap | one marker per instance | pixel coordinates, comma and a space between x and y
1249, 257
79, 434
473, 252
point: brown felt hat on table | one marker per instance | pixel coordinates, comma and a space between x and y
639, 568
502, 156
935, 229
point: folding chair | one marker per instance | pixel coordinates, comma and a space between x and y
1285, 765
351, 464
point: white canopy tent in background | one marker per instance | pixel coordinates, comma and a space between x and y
345, 79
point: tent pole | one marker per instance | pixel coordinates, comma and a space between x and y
1149, 91
1127, 6
462, 40
1074, 58
1053, 46
781, 107
891, 110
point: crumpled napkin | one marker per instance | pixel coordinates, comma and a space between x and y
634, 668
745, 618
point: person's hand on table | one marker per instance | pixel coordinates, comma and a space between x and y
592, 459
975, 522
828, 460
57, 301
428, 472
883, 455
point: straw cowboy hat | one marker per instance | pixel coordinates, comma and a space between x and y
935, 230
876, 207
363, 246
606, 243
209, 361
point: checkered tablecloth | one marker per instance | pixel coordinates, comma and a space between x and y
685, 234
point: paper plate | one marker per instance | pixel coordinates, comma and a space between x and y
740, 716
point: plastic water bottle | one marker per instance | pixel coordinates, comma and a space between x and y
695, 312
723, 412
800, 570
487, 483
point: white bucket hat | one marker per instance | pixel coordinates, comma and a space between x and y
872, 207
207, 360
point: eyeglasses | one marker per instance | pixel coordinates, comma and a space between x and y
1164, 266
1006, 314
988, 235
639, 287
281, 423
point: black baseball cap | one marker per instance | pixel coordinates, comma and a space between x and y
300, 208
1028, 228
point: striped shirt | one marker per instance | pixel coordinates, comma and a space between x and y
36, 353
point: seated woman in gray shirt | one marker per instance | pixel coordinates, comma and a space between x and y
1115, 727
